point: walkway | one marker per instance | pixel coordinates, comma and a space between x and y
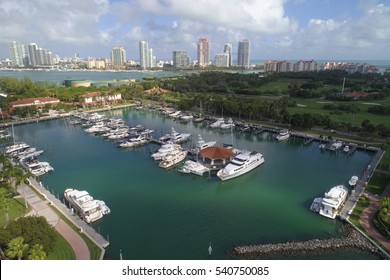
42, 208
367, 216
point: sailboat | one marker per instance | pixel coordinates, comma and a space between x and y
199, 118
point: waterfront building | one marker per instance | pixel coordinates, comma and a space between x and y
94, 98
38, 102
96, 64
145, 55
350, 67
222, 60
229, 50
203, 52
243, 54
118, 57
302, 65
32, 55
216, 157
277, 66
181, 59
18, 54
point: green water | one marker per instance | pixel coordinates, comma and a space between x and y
163, 214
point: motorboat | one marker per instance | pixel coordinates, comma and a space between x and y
173, 158
333, 201
242, 163
335, 146
175, 114
164, 150
201, 144
283, 135
46, 166
228, 124
316, 205
217, 123
16, 147
346, 149
193, 167
89, 209
133, 142
175, 137
353, 181
187, 117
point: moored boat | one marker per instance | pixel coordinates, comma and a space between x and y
193, 167
242, 163
332, 201
353, 181
283, 135
173, 158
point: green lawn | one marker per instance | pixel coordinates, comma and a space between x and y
62, 250
16, 210
357, 211
281, 86
378, 183
314, 106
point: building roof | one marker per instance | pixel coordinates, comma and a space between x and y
34, 100
360, 94
216, 153
90, 94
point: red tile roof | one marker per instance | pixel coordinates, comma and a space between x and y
216, 153
33, 100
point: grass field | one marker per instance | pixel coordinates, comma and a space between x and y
62, 250
314, 106
378, 183
16, 209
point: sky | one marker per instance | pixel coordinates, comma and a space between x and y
277, 29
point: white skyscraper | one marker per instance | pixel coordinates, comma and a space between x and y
144, 55
118, 57
17, 54
243, 56
229, 50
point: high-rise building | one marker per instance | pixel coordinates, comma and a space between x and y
144, 55
203, 52
118, 57
229, 50
17, 52
32, 49
181, 59
243, 56
222, 60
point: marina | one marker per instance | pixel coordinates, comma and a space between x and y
189, 212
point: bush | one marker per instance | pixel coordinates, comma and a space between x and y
34, 230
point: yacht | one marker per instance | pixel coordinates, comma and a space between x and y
217, 123
201, 144
175, 137
332, 201
193, 167
353, 181
16, 148
35, 168
283, 135
173, 158
164, 150
346, 149
335, 146
175, 114
228, 124
242, 163
82, 202
133, 142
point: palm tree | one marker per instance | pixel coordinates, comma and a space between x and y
385, 202
5, 203
36, 252
20, 177
16, 248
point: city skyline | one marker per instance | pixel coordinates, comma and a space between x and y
277, 29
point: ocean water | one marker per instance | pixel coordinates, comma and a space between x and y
163, 214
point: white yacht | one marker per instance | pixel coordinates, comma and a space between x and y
346, 149
16, 147
133, 142
82, 202
202, 144
353, 181
242, 163
35, 168
193, 167
228, 124
283, 135
175, 114
175, 137
217, 123
335, 146
173, 158
164, 150
332, 201
46, 166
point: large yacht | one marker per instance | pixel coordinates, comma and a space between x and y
164, 150
217, 123
82, 202
242, 163
175, 137
283, 135
201, 144
134, 141
173, 158
193, 167
332, 201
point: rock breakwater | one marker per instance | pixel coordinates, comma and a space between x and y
353, 239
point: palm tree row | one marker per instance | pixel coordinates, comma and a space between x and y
18, 249
12, 176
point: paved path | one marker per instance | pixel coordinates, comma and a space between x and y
367, 216
42, 208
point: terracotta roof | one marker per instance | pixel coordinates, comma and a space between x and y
216, 153
91, 94
360, 94
32, 100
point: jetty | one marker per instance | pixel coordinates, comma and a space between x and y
352, 240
